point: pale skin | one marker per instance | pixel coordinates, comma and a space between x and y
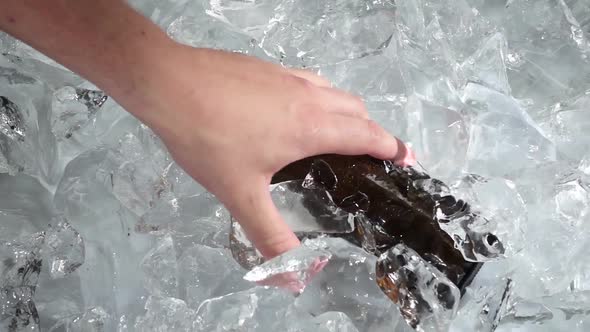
229, 120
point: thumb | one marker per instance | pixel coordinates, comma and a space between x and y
255, 211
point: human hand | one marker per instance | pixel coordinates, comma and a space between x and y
229, 120
232, 121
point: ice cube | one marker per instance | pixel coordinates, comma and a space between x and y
310, 33
20, 269
357, 76
252, 17
486, 66
498, 228
138, 178
294, 201
571, 202
551, 313
21, 261
294, 269
483, 307
555, 234
438, 135
57, 298
95, 319
13, 147
427, 299
389, 111
113, 251
12, 123
25, 207
423, 49
256, 309
166, 314
17, 310
347, 284
160, 269
566, 124
503, 137
199, 218
334, 322
242, 249
65, 248
550, 64
206, 31
72, 108
206, 272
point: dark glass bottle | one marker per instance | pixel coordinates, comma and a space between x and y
392, 205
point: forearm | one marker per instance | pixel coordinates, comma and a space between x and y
105, 41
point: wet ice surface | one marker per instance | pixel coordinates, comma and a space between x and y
101, 231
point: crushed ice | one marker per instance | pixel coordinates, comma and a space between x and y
102, 231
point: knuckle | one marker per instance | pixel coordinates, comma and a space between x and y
303, 85
308, 126
375, 131
360, 104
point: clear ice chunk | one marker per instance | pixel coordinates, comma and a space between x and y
57, 298
294, 200
17, 310
486, 66
206, 272
72, 108
256, 309
20, 269
563, 311
243, 251
566, 124
294, 269
111, 270
315, 32
483, 308
251, 17
95, 319
138, 179
439, 137
198, 218
12, 123
494, 227
65, 248
427, 299
423, 49
503, 136
208, 32
160, 269
548, 63
166, 314
551, 264
348, 285
358, 77
22, 261
334, 322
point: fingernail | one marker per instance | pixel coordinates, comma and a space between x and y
407, 158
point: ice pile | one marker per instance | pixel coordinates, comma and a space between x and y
101, 231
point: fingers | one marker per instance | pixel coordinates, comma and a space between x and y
254, 209
337, 101
330, 99
405, 156
346, 135
310, 76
